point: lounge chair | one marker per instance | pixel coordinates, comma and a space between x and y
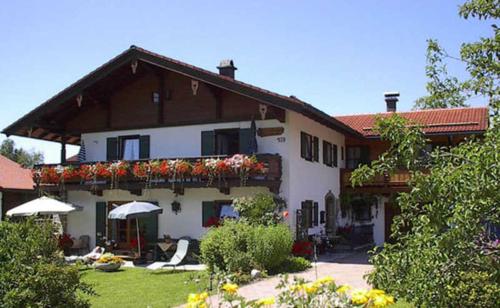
180, 254
91, 257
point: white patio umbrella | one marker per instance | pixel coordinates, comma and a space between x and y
135, 210
41, 206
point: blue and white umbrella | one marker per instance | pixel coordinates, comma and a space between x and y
135, 210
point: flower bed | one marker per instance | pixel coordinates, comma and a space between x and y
209, 169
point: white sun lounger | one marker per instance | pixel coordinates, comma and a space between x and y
180, 254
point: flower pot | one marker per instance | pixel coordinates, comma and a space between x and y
107, 267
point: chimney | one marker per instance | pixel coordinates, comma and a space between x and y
391, 98
227, 68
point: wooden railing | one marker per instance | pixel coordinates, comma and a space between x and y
397, 180
271, 178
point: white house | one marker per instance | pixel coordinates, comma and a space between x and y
141, 106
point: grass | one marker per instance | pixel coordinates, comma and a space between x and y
137, 287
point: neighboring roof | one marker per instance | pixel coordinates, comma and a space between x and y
13, 176
23, 126
433, 121
73, 158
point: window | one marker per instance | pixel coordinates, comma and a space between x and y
131, 147
327, 153
306, 145
214, 211
362, 210
227, 142
357, 155
307, 214
342, 153
309, 147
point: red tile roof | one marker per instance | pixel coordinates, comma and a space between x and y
13, 176
434, 121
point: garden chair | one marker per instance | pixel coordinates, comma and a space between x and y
178, 257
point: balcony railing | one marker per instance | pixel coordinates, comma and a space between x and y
396, 181
271, 178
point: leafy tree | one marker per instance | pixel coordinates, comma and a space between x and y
32, 269
24, 158
444, 255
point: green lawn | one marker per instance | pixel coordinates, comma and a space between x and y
137, 287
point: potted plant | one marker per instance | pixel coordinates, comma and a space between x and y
108, 262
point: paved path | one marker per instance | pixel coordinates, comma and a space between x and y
347, 268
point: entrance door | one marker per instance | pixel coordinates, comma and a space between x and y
390, 212
330, 214
122, 231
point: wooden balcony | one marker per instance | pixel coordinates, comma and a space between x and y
271, 179
380, 184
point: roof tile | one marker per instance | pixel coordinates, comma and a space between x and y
13, 176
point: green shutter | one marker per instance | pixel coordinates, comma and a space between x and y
150, 225
208, 211
111, 149
315, 149
303, 145
315, 214
144, 147
335, 155
325, 153
245, 137
208, 143
100, 223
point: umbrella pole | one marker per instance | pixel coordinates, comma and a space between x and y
138, 237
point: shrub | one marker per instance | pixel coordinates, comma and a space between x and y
474, 289
261, 209
237, 247
228, 247
32, 270
292, 265
271, 245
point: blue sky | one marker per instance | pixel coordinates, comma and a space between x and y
337, 55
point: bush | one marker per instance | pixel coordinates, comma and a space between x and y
271, 245
293, 265
475, 289
238, 247
261, 209
32, 269
228, 248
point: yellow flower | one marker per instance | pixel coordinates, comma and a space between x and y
359, 297
324, 280
195, 298
203, 296
267, 301
296, 288
310, 288
382, 300
375, 292
230, 288
343, 289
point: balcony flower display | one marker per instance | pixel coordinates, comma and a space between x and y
175, 170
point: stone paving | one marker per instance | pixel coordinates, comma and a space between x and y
345, 268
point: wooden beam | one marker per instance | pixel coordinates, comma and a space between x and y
217, 95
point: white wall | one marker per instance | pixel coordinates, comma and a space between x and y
188, 222
179, 141
311, 180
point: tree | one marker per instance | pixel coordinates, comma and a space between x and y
24, 158
444, 255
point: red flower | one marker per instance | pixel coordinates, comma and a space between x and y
199, 169
302, 248
133, 242
212, 222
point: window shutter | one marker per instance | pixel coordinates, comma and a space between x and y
315, 214
325, 153
322, 216
245, 137
335, 155
315, 149
342, 153
111, 149
150, 225
303, 145
208, 143
207, 211
144, 146
100, 223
